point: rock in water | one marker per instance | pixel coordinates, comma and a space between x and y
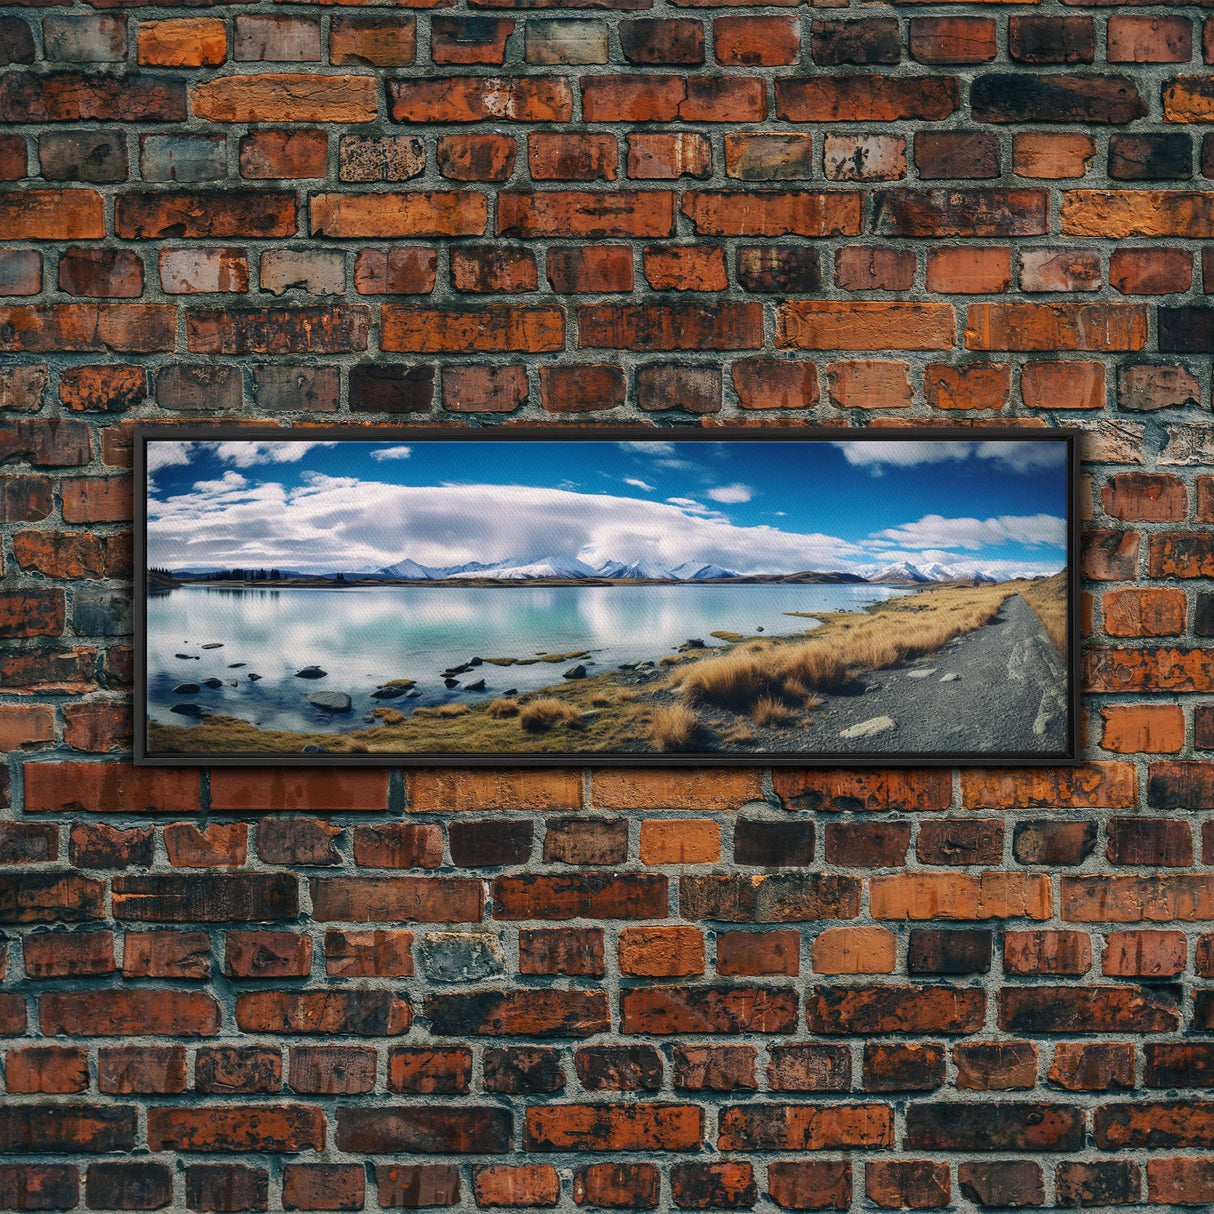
254, 678
576, 672
236, 665
212, 683
866, 729
188, 710
450, 683
188, 657
389, 693
479, 685
213, 645
311, 672
329, 701
186, 689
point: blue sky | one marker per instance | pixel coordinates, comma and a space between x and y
753, 506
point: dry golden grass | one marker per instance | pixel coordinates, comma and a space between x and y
502, 708
1047, 598
772, 714
673, 727
443, 710
547, 713
763, 672
389, 716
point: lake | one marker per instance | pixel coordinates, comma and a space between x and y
364, 636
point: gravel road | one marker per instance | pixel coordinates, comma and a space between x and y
1000, 689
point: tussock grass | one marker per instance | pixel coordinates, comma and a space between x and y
673, 727
389, 716
773, 674
772, 714
547, 713
1047, 598
443, 710
502, 708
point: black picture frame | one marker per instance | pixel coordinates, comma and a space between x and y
145, 432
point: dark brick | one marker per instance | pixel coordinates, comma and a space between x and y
1150, 157
130, 1185
1006, 1184
1053, 842
903, 1068
1004, 97
779, 269
840, 42
518, 1070
1052, 39
391, 388
959, 951
619, 1068
1003, 1126
773, 844
490, 843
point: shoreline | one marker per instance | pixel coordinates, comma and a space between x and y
616, 711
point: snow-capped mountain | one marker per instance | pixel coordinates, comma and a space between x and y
544, 567
693, 571
409, 569
904, 571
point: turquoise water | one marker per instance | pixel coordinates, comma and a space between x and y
365, 636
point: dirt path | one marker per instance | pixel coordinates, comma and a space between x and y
1001, 689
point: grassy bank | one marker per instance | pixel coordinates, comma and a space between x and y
1047, 598
699, 700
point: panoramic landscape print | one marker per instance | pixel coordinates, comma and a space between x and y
794, 597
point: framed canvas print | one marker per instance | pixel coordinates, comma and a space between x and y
522, 597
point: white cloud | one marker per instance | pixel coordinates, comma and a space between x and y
245, 453
1024, 457
639, 484
164, 454
1015, 456
902, 454
731, 494
226, 484
648, 447
973, 535
358, 524
379, 454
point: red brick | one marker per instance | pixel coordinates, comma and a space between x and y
476, 157
241, 789
874, 268
865, 97
900, 1184
938, 40
869, 383
667, 156
219, 1128
332, 1070
810, 1185
1179, 1181
504, 327
1149, 39
428, 1071
804, 1127
265, 954
414, 1185
1135, 613
284, 154
69, 954
469, 40
221, 844
590, 270
226, 1187
48, 1069
367, 954
557, 156
661, 952
123, 1013
752, 954
503, 1185
480, 98
974, 386
316, 1186
381, 42
617, 1185
685, 268
969, 271
1151, 271
581, 388
987, 895
375, 1013
772, 213
484, 389
1063, 385
125, 328
166, 954
575, 951
756, 41
614, 1127
775, 385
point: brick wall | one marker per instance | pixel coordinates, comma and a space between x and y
274, 989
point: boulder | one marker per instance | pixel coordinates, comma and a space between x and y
311, 672
186, 689
479, 685
212, 683
188, 710
329, 701
575, 672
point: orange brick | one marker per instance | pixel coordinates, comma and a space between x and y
23, 726
869, 384
1143, 728
680, 841
989, 895
686, 268
1063, 385
855, 950
752, 954
712, 790
1051, 157
661, 952
434, 790
969, 270
1144, 954
183, 42
1144, 613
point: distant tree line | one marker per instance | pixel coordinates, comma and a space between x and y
243, 575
